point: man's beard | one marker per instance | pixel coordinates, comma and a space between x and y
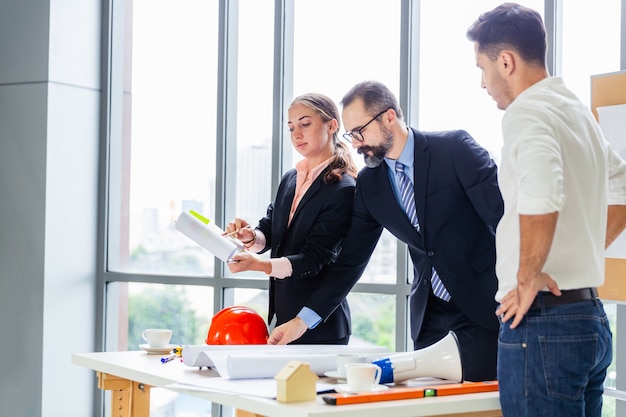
377, 152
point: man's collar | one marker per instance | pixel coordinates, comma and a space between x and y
407, 154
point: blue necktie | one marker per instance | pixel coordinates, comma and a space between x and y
407, 196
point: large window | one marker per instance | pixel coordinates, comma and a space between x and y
191, 131
595, 50
196, 90
364, 44
163, 152
450, 93
254, 115
162, 161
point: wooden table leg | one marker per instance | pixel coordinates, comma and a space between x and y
128, 398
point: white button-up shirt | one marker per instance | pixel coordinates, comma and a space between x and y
555, 159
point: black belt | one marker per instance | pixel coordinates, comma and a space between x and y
547, 299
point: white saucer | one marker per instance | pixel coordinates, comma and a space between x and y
334, 374
154, 351
343, 388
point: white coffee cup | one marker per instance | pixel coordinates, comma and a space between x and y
362, 376
157, 338
344, 358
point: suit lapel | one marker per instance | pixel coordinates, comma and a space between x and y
388, 214
281, 219
283, 216
313, 189
421, 163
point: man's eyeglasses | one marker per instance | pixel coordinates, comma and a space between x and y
356, 133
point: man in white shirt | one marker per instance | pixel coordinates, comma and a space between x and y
557, 177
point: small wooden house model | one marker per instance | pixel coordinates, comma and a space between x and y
295, 382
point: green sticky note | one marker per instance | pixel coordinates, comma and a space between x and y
199, 216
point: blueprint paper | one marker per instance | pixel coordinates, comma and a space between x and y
209, 236
266, 387
264, 361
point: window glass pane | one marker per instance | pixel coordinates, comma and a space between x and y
256, 299
373, 315
133, 307
254, 118
187, 310
450, 93
382, 266
364, 44
594, 50
254, 109
373, 319
608, 407
165, 155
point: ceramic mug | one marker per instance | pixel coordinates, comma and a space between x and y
157, 338
362, 376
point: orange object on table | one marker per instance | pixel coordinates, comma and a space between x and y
413, 392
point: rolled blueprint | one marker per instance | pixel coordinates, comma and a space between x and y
206, 234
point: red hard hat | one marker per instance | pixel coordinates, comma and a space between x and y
237, 325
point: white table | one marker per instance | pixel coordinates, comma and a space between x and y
132, 374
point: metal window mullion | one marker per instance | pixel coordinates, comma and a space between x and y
283, 85
553, 21
103, 183
409, 102
409, 60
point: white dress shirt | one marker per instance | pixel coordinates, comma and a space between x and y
555, 159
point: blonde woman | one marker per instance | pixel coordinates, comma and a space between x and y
303, 229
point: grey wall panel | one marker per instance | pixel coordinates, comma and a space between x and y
49, 137
70, 242
22, 250
24, 40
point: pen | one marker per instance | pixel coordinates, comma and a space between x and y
166, 359
233, 233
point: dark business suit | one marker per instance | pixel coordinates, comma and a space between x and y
311, 243
458, 204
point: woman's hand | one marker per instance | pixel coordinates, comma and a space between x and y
245, 261
241, 230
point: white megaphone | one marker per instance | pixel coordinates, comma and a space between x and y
439, 360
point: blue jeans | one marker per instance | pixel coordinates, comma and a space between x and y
554, 363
